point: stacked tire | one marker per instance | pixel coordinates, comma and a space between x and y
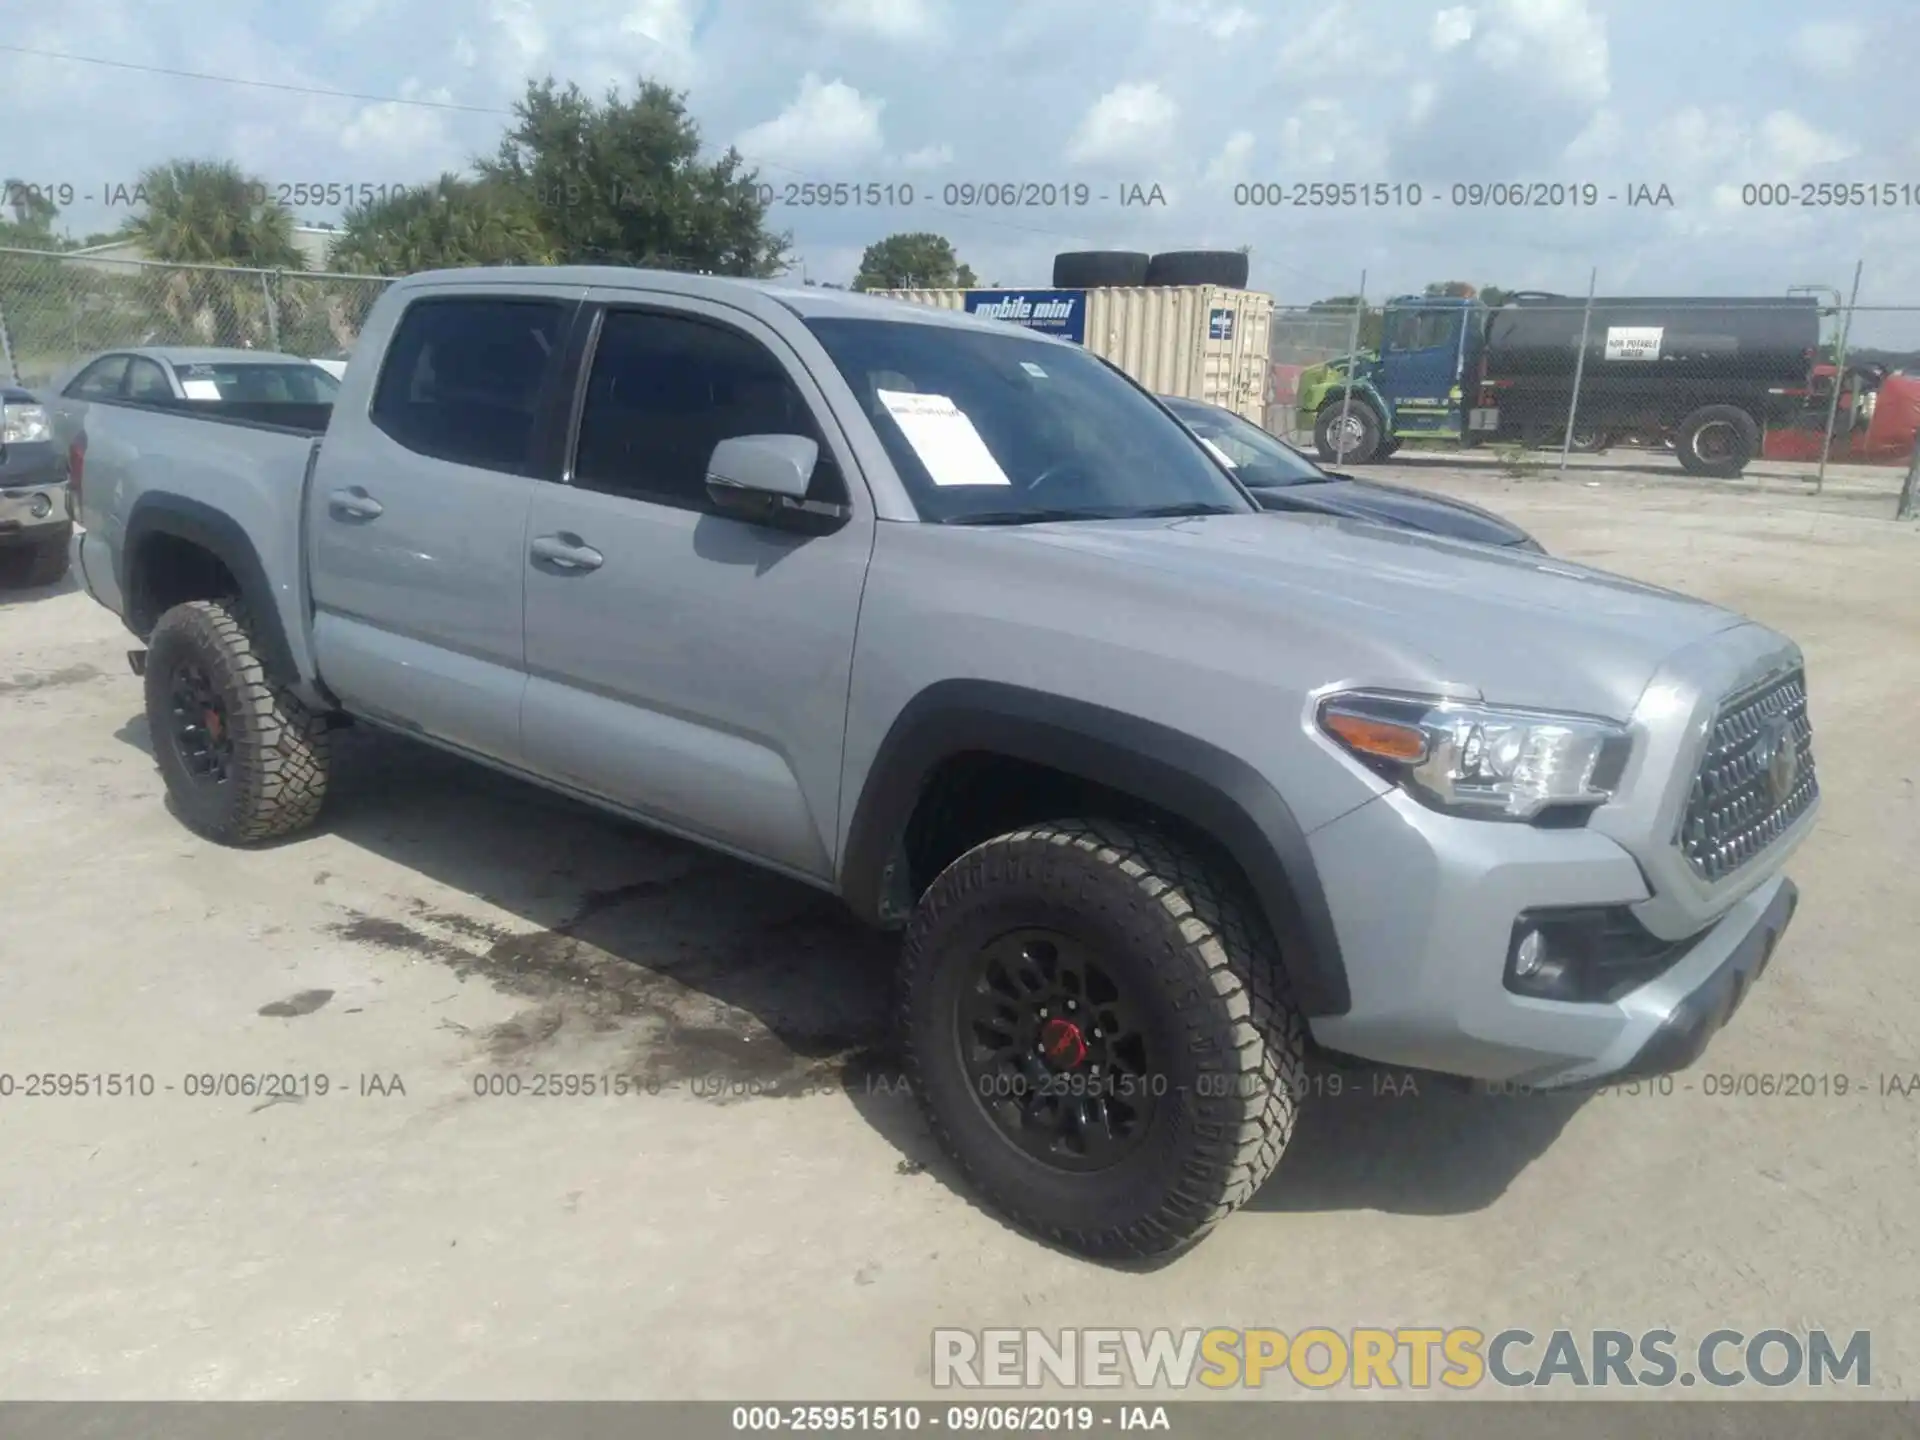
1102, 269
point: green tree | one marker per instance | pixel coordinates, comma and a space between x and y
211, 212
452, 222
1451, 289
31, 227
1494, 295
621, 182
917, 260
1344, 306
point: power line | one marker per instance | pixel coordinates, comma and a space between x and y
256, 84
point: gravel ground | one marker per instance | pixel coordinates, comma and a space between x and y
764, 1217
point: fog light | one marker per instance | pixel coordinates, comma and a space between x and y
1528, 955
42, 506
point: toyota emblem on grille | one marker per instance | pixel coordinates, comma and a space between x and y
1776, 755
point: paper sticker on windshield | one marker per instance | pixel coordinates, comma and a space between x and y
1033, 369
944, 439
1219, 454
200, 389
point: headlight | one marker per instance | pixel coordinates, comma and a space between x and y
1480, 760
24, 424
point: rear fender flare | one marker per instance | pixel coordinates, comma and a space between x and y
221, 536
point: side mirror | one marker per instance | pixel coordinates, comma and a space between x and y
763, 479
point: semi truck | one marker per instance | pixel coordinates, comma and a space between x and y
1710, 376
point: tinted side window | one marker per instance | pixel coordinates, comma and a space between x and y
463, 379
665, 389
100, 380
147, 381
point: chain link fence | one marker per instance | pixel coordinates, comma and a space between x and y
57, 309
1806, 384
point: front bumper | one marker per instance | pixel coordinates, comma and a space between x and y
33, 504
1425, 906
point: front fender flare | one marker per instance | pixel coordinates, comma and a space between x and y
1201, 784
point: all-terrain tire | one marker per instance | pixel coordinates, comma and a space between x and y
31, 567
1361, 448
1736, 435
1099, 269
276, 779
1200, 962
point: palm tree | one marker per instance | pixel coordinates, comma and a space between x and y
452, 222
211, 212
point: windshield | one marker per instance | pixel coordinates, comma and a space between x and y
1006, 429
300, 384
1259, 460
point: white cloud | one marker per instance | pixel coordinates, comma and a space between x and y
1452, 27
407, 137
464, 55
829, 121
1562, 43
1795, 146
1420, 97
1334, 38
1601, 140
1828, 47
1219, 21
928, 157
1323, 134
1128, 121
896, 20
1232, 161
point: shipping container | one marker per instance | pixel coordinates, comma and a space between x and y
1200, 342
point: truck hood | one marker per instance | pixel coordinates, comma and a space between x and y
1516, 627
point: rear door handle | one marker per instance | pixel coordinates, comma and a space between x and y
567, 552
355, 502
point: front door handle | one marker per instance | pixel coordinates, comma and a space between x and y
567, 552
355, 502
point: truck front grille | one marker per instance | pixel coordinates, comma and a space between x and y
1756, 778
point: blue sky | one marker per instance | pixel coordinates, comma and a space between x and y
1195, 96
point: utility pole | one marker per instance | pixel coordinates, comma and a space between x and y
1579, 369
1353, 361
1839, 374
1910, 488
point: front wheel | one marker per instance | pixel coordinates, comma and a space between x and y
1101, 1036
1352, 441
244, 760
39, 564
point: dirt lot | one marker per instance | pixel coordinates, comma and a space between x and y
449, 934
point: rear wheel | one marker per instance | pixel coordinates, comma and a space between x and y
1101, 1036
244, 760
1717, 441
1353, 440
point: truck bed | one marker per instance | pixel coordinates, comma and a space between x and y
246, 464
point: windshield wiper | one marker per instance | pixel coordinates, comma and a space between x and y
1190, 507
1026, 517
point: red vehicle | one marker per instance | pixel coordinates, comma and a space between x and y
1875, 422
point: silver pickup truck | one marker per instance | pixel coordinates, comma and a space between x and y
958, 623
